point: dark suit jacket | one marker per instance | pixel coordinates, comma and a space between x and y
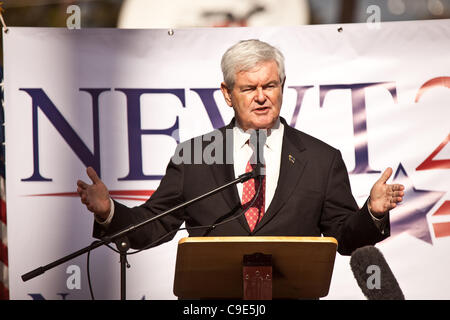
312, 198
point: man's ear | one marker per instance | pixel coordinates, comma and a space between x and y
226, 93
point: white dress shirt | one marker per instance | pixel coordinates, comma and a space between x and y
272, 155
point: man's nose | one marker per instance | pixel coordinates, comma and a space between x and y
260, 96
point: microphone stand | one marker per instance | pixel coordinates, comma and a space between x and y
121, 239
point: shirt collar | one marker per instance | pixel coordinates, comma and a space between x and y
273, 135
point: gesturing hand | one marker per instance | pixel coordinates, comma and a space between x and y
95, 196
384, 197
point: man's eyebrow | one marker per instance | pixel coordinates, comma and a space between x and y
252, 86
272, 82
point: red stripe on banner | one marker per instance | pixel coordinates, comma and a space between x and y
60, 194
443, 210
3, 211
4, 292
4, 254
113, 193
441, 229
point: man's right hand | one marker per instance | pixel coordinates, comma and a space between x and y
95, 196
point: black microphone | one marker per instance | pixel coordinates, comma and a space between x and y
373, 275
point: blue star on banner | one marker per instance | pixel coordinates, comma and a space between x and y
411, 215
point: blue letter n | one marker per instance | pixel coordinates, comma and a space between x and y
42, 101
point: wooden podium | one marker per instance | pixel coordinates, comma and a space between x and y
252, 267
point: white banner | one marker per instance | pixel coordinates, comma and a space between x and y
116, 99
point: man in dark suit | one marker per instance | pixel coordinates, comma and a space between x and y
305, 192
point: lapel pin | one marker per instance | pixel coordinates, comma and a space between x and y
291, 159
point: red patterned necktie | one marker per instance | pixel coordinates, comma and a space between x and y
248, 193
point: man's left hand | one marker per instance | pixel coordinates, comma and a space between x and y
384, 197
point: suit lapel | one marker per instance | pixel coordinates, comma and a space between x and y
291, 168
222, 175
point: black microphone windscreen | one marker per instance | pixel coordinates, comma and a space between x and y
373, 275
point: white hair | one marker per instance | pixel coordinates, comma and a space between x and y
245, 55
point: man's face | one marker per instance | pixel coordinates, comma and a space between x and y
256, 97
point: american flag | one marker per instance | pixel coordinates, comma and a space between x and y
4, 287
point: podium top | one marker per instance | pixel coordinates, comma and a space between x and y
329, 240
211, 267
